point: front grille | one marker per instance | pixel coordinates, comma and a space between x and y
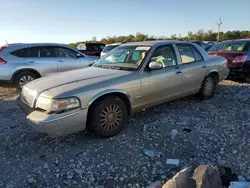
28, 96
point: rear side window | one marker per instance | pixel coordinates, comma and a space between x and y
197, 54
187, 55
33, 52
231, 46
45, 52
21, 53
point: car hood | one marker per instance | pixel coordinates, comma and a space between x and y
61, 83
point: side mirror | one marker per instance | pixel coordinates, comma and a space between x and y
155, 65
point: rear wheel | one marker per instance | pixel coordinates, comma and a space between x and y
108, 116
23, 78
208, 87
247, 79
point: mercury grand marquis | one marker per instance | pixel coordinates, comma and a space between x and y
130, 78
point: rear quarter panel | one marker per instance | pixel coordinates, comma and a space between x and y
219, 65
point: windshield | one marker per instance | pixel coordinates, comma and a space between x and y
237, 46
123, 57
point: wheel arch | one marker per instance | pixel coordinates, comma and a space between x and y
25, 70
116, 92
214, 74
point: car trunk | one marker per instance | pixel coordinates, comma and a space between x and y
230, 56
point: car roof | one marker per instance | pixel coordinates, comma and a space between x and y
237, 40
35, 44
154, 43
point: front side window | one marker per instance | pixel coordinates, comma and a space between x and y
64, 52
164, 55
187, 55
124, 57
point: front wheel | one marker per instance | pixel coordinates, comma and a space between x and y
208, 88
108, 116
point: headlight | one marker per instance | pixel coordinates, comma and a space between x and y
55, 105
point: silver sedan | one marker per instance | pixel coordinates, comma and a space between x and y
130, 78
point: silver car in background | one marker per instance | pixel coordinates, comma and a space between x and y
130, 78
22, 63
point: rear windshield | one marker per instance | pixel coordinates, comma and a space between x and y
232, 46
109, 48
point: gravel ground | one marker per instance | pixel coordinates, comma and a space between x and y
214, 131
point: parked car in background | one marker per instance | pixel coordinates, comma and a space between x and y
202, 44
22, 63
109, 47
237, 53
131, 77
91, 49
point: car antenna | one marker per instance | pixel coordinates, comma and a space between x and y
6, 42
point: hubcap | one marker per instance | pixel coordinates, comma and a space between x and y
111, 117
209, 86
24, 80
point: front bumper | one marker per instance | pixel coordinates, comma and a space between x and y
55, 125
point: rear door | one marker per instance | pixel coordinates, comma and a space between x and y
193, 66
41, 59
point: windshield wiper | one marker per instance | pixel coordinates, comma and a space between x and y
115, 67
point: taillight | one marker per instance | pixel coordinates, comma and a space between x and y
240, 59
2, 47
2, 61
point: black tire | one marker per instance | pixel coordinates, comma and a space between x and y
108, 116
208, 87
247, 79
26, 74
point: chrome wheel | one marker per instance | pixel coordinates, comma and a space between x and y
24, 80
111, 117
209, 86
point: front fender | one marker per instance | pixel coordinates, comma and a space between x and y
105, 92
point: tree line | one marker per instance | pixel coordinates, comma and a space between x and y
200, 35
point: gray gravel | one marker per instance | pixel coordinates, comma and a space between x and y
215, 131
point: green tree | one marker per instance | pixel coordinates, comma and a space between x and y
199, 35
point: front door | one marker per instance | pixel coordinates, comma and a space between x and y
66, 59
159, 86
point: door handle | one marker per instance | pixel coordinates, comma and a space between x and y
204, 66
61, 60
177, 67
178, 72
30, 61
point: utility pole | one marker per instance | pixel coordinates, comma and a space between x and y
219, 24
